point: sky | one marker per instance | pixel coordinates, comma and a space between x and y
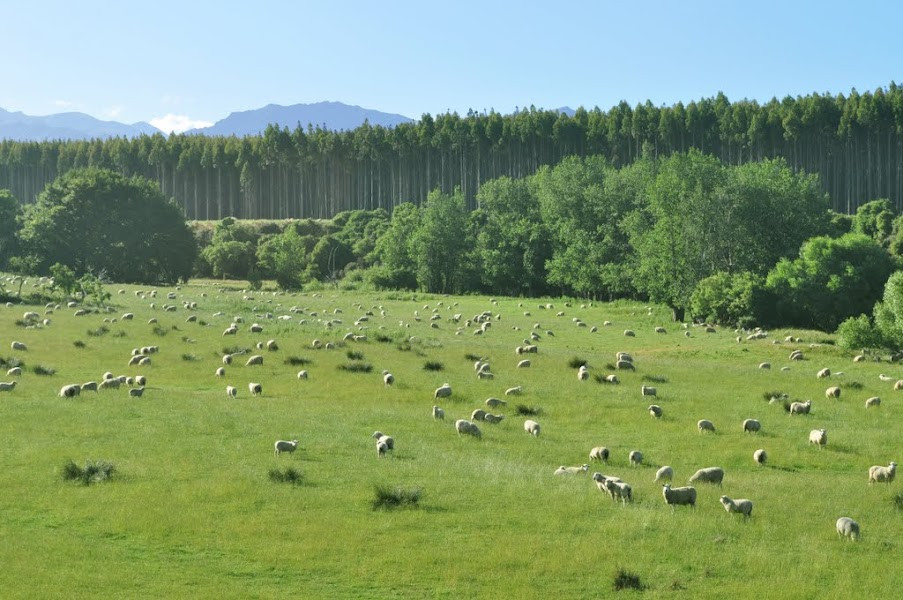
190, 63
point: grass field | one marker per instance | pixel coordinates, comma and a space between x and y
192, 511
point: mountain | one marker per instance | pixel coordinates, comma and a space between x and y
566, 110
331, 115
65, 126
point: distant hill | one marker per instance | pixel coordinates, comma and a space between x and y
65, 126
331, 115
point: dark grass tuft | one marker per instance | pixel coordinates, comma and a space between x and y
388, 498
356, 367
118, 333
289, 475
11, 362
100, 331
383, 338
78, 344
625, 580
190, 357
235, 350
473, 357
527, 411
296, 361
202, 322
42, 370
768, 396
21, 323
93, 471
897, 499
825, 341
354, 355
403, 347
433, 365
609, 367
655, 378
161, 331
854, 385
187, 339
576, 362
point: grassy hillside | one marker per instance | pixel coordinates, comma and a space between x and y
191, 509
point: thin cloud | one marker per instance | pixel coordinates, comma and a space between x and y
63, 104
113, 112
171, 123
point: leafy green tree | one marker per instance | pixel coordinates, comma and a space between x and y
876, 220
284, 257
889, 312
328, 259
9, 226
397, 268
63, 279
838, 224
831, 280
736, 300
440, 242
92, 290
95, 220
230, 259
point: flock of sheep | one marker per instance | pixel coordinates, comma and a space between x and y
468, 425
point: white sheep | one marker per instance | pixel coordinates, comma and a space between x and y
898, 385
582, 374
823, 373
381, 448
886, 474
708, 475
18, 346
221, 372
70, 391
493, 402
765, 365
751, 426
231, 391
514, 391
478, 415
110, 384
443, 391
140, 380
800, 408
255, 389
705, 425
285, 446
618, 490
847, 528
664, 473
873, 401
741, 505
227, 359
832, 392
660, 330
679, 496
380, 437
760, 456
523, 364
611, 379
599, 453
14, 372
655, 410
648, 391
629, 333
89, 386
485, 375
302, 374
257, 359
272, 346
562, 470
635, 457
466, 427
388, 378
136, 359
532, 427
819, 437
625, 365
438, 413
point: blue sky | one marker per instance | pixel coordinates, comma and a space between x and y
184, 63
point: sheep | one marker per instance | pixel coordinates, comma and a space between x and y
221, 372
389, 441
751, 426
255, 388
660, 330
231, 330
819, 437
227, 359
884, 377
272, 346
443, 391
255, 328
18, 346
599, 453
664, 473
136, 392
284, 446
655, 410
898, 385
648, 391
629, 333
635, 457
800, 408
704, 425
494, 402
847, 528
796, 355
679, 496
523, 364
741, 505
532, 427
478, 415
582, 374
254, 360
600, 480
14, 372
514, 391
438, 413
873, 401
89, 386
302, 374
760, 456
485, 375
832, 392
144, 361
136, 359
562, 470
618, 490
708, 475
110, 384
388, 379
886, 474
765, 365
494, 419
823, 373
381, 448
625, 365
466, 427
231, 391
70, 391
623, 356
612, 379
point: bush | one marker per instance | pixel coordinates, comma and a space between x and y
160, 331
432, 365
356, 367
729, 299
289, 475
93, 471
625, 580
472, 357
397, 497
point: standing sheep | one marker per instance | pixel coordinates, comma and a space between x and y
751, 426
618, 490
664, 473
599, 453
532, 427
221, 372
70, 391
254, 360
679, 496
635, 457
388, 378
494, 419
478, 415
438, 413
800, 408
705, 425
231, 391
886, 474
708, 475
466, 427
819, 437
742, 506
493, 402
443, 391
832, 392
823, 373
873, 401
655, 410
514, 391
284, 446
255, 388
389, 441
760, 456
648, 391
847, 528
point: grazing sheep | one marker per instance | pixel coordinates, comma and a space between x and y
70, 391
819, 437
14, 372
466, 427
760, 456
136, 359
89, 386
140, 380
231, 391
741, 505
800, 408
660, 330
144, 361
523, 364
485, 375
18, 346
765, 365
136, 392
847, 528
898, 385
110, 384
708, 475
655, 410
231, 330
885, 474
255, 328
664, 473
859, 358
599, 453
514, 391
562, 470
751, 426
381, 448
648, 391
832, 392
438, 413
823, 373
227, 359
443, 391
532, 427
873, 401
679, 496
705, 425
302, 374
494, 419
612, 379
272, 346
493, 402
284, 446
254, 360
221, 372
478, 415
623, 356
388, 379
635, 457
625, 365
255, 388
582, 374
618, 490
629, 333
389, 441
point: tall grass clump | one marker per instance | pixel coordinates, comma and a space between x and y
42, 370
433, 365
190, 357
897, 500
296, 361
473, 357
78, 344
527, 411
625, 580
160, 331
655, 378
100, 331
398, 497
354, 355
576, 362
383, 338
289, 475
356, 367
93, 471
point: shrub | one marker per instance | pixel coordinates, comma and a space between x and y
728, 299
576, 362
296, 361
235, 350
356, 367
854, 385
625, 580
42, 370
289, 475
527, 411
397, 497
859, 332
354, 355
93, 471
432, 365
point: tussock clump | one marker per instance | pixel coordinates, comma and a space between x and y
473, 357
625, 580
388, 498
296, 361
190, 358
42, 370
576, 362
157, 330
853, 385
234, 350
609, 367
93, 471
289, 475
404, 347
9, 363
356, 367
527, 411
118, 333
354, 355
655, 378
774, 395
432, 365
78, 344
897, 499
100, 331
383, 338
21, 323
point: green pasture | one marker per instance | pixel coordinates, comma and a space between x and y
191, 511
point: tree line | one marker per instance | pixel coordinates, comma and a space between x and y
854, 142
